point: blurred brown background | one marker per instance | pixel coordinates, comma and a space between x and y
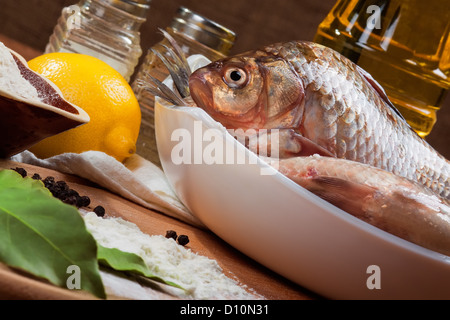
256, 22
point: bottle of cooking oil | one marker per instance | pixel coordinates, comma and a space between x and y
403, 44
195, 34
105, 29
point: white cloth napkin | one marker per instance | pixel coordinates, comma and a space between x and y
137, 179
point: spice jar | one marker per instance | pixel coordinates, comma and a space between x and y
196, 35
105, 29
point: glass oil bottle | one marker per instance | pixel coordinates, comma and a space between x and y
403, 44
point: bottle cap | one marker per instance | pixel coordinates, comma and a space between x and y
203, 30
138, 8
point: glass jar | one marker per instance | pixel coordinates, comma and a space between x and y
403, 44
105, 29
196, 35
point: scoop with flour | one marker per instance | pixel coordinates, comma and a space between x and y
32, 108
11, 80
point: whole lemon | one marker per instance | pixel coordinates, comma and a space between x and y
104, 94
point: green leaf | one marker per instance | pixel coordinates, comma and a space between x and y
43, 236
128, 262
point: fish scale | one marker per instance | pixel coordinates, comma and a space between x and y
329, 77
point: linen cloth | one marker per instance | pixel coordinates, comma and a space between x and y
136, 179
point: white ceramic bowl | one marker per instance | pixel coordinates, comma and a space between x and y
288, 229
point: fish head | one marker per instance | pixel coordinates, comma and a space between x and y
252, 90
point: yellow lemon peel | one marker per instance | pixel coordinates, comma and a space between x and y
104, 94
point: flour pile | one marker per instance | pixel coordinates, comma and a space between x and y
202, 277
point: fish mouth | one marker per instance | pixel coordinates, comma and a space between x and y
200, 91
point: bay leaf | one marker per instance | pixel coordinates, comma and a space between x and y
128, 262
43, 236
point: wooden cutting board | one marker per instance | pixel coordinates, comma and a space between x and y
15, 285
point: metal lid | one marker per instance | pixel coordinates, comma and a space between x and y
138, 8
203, 30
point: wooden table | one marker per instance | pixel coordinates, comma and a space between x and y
233, 263
14, 285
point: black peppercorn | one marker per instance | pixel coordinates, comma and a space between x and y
83, 201
62, 186
21, 171
171, 235
49, 182
36, 176
99, 211
62, 191
49, 179
70, 200
73, 193
183, 240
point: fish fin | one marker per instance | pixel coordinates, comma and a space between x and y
180, 79
380, 90
310, 148
176, 63
159, 89
287, 143
177, 52
293, 144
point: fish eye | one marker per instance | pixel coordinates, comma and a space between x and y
235, 78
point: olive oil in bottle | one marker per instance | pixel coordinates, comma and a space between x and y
403, 44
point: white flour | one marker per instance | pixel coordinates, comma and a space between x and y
11, 81
202, 277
